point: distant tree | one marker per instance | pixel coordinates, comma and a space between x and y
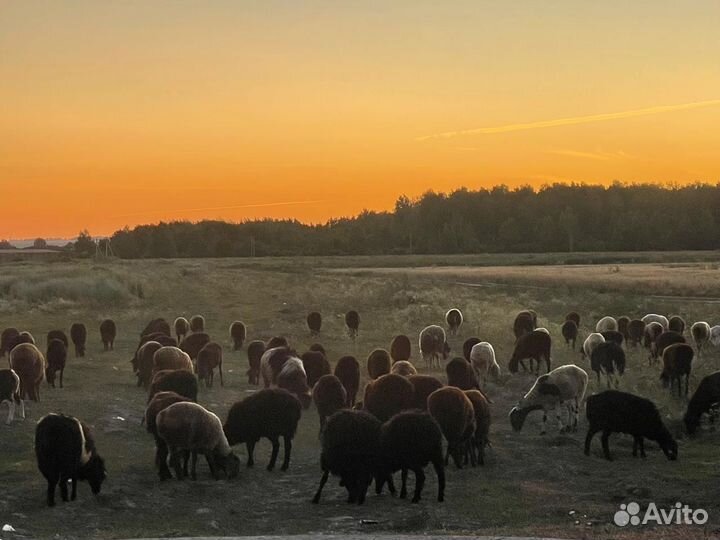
85, 245
40, 243
569, 221
4, 244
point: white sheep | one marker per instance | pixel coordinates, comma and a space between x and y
482, 359
654, 317
433, 345
701, 332
592, 341
606, 324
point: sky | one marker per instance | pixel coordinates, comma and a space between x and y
118, 113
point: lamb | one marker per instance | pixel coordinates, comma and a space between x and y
65, 451
423, 386
404, 368
238, 334
168, 358
468, 345
482, 359
10, 393
481, 437
400, 348
700, 332
209, 358
182, 328
654, 317
193, 343
461, 374
352, 323
329, 396
535, 346
156, 326
378, 363
270, 413
108, 333
433, 345
316, 365
635, 332
388, 395
56, 357
7, 339
677, 362
255, 350
57, 334
280, 367
197, 323
569, 331
608, 357
347, 370
613, 335
29, 364
605, 324
179, 381
592, 341
78, 335
676, 324
454, 320
159, 402
563, 386
663, 341
188, 427
524, 324
705, 398
454, 413
573, 316
314, 322
145, 362
613, 411
623, 323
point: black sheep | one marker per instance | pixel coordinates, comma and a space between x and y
108, 333
461, 374
676, 324
468, 345
663, 341
157, 326
705, 398
7, 339
352, 323
78, 335
608, 357
569, 331
535, 346
174, 380
524, 324
314, 322
316, 365
347, 370
613, 335
255, 350
57, 334
400, 348
677, 363
635, 332
56, 357
329, 396
159, 402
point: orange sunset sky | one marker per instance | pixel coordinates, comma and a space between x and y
116, 113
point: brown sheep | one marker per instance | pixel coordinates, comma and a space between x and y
166, 358
454, 320
145, 356
78, 335
314, 322
28, 362
317, 347
400, 348
623, 323
652, 331
255, 350
483, 419
347, 370
316, 365
433, 345
535, 346
352, 323
209, 358
523, 324
378, 363
238, 334
156, 326
197, 323
179, 381
56, 357
7, 339
663, 341
569, 331
468, 345
387, 396
423, 386
193, 343
404, 368
461, 374
161, 401
22, 337
635, 332
277, 341
573, 316
281, 368
676, 324
700, 332
108, 333
182, 328
454, 413
329, 396
57, 334
677, 363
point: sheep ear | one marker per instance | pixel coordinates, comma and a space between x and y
549, 389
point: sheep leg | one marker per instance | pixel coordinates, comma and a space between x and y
52, 482
323, 481
175, 463
403, 488
687, 383
588, 439
11, 411
64, 489
544, 422
61, 376
193, 469
161, 454
636, 443
558, 417
606, 445
212, 464
419, 483
73, 492
275, 450
287, 450
447, 455
22, 408
642, 447
250, 445
221, 375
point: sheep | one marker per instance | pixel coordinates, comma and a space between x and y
347, 370
22, 337
29, 364
168, 358
317, 347
482, 359
423, 386
350, 450
461, 374
193, 343
238, 334
145, 355
179, 381
352, 323
663, 341
270, 413
623, 323
535, 346
481, 437
563, 386
57, 334
454, 320
454, 413
280, 367
652, 331
7, 338
78, 335
635, 332
156, 326
592, 341
56, 357
378, 363
182, 328
468, 345
605, 324
277, 341
197, 323
316, 365
569, 331
161, 400
613, 335
608, 357
613, 411
523, 324
188, 427
573, 316
209, 358
329, 396
715, 335
400, 348
654, 317
388, 395
408, 442
255, 350
705, 398
677, 324
677, 362
404, 368
433, 345
108, 333
65, 452
10, 393
314, 322
700, 332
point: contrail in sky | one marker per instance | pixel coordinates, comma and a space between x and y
574, 120
210, 208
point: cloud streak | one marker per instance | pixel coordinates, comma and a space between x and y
599, 155
574, 120
212, 208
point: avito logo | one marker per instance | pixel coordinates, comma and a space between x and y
629, 514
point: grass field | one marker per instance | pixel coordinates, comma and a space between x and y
530, 485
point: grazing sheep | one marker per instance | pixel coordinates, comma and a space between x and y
188, 427
182, 328
613, 335
10, 393
145, 362
179, 381
573, 316
461, 374
623, 323
347, 370
156, 326
388, 395
277, 341
270, 413
569, 331
209, 358
677, 363
652, 331
454, 413
255, 350
78, 335
700, 332
433, 345
329, 396
197, 323
317, 347
605, 324
677, 324
7, 339
316, 365
423, 386
715, 335
108, 333
663, 341
635, 332
400, 348
481, 437
193, 343
608, 357
408, 442
613, 411
28, 362
404, 368
159, 402
592, 341
535, 346
654, 317
378, 363
22, 337
168, 358
563, 386
56, 357
238, 334
524, 324
352, 323
454, 320
314, 322
482, 359
705, 398
65, 452
57, 334
350, 450
468, 345
280, 367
